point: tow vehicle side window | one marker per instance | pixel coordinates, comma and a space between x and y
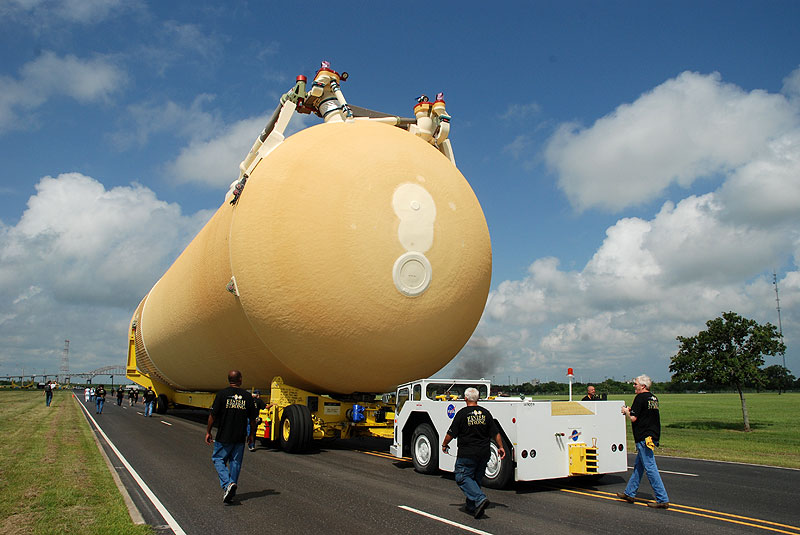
402, 397
417, 393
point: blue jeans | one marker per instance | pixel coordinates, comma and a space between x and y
148, 408
48, 397
646, 463
98, 402
469, 473
227, 459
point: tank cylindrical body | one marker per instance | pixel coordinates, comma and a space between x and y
361, 259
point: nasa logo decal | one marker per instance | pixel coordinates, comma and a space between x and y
574, 435
451, 411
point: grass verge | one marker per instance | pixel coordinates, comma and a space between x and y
53, 479
710, 426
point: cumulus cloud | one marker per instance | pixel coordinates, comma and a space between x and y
78, 262
83, 79
77, 11
687, 128
189, 122
215, 162
654, 278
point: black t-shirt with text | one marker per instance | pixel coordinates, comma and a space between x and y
648, 419
473, 427
149, 396
100, 393
232, 408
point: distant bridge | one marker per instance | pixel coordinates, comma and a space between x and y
87, 377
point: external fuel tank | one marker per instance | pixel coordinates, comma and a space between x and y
357, 257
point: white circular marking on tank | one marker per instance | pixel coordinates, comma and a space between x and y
415, 208
412, 273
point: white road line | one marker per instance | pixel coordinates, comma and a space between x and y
678, 473
149, 493
444, 520
673, 473
165, 423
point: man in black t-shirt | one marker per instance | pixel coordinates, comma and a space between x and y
474, 427
646, 425
590, 394
232, 409
99, 399
149, 401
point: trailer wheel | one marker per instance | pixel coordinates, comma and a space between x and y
296, 429
424, 449
499, 472
162, 403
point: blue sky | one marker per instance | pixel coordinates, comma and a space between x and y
638, 164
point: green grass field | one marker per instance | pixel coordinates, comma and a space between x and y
53, 479
710, 426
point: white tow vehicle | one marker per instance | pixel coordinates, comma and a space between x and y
542, 439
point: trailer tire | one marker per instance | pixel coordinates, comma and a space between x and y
162, 404
297, 429
425, 449
499, 472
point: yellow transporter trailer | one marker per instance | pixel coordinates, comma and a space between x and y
301, 416
347, 258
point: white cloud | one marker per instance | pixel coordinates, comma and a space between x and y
656, 278
689, 127
43, 12
149, 118
49, 75
521, 111
215, 162
76, 265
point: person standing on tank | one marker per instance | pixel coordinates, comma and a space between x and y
232, 410
474, 427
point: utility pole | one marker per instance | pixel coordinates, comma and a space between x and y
778, 302
65, 364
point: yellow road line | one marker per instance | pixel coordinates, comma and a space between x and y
689, 510
678, 508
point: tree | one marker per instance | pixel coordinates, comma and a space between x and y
778, 378
730, 352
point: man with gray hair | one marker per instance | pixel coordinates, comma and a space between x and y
474, 427
646, 425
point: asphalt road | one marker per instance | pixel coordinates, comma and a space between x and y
354, 486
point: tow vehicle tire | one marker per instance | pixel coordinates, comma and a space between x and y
162, 404
425, 449
297, 429
499, 472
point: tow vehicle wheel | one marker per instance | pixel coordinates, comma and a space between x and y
425, 450
296, 429
499, 472
162, 403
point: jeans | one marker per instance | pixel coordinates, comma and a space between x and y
227, 459
148, 408
48, 397
99, 401
469, 473
119, 402
646, 463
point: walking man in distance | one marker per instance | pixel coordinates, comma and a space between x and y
474, 427
232, 409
